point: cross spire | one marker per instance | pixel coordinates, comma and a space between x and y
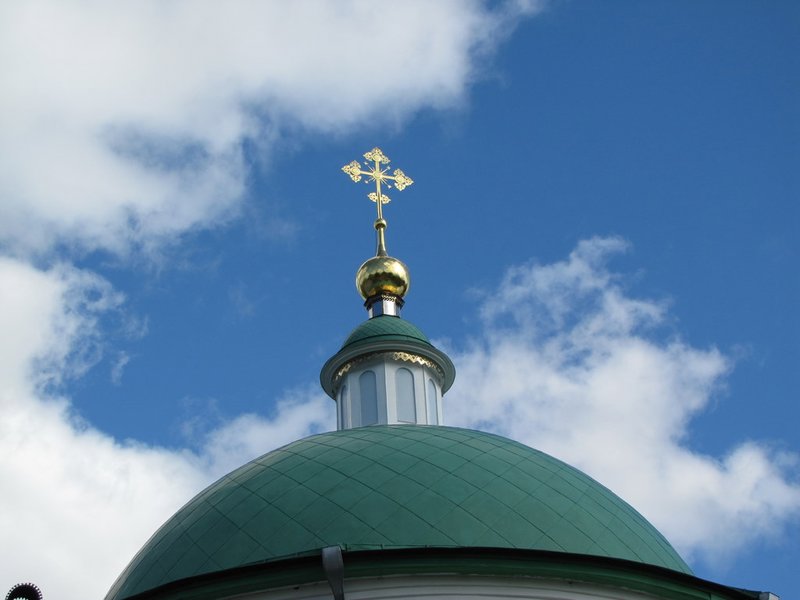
377, 173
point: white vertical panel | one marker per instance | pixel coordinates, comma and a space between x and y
406, 398
432, 397
368, 388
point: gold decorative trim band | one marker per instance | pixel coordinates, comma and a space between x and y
398, 356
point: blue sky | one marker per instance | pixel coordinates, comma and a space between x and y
602, 233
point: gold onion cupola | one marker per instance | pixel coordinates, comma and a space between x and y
387, 371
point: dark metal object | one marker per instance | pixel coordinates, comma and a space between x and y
333, 565
24, 591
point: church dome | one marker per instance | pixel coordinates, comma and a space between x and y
387, 488
386, 329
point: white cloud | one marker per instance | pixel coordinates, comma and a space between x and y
118, 367
570, 363
123, 124
301, 412
76, 503
61, 478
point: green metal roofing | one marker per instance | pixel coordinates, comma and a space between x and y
385, 327
388, 487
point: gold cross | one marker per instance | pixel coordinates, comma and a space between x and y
379, 176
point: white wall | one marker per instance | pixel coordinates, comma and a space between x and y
452, 586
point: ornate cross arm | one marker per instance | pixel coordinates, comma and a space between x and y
379, 174
374, 172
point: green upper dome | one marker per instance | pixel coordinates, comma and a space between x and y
385, 333
385, 487
385, 328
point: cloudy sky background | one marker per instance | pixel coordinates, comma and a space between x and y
602, 234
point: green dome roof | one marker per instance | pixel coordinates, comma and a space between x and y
387, 487
385, 327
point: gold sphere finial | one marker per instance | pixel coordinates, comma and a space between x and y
383, 275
